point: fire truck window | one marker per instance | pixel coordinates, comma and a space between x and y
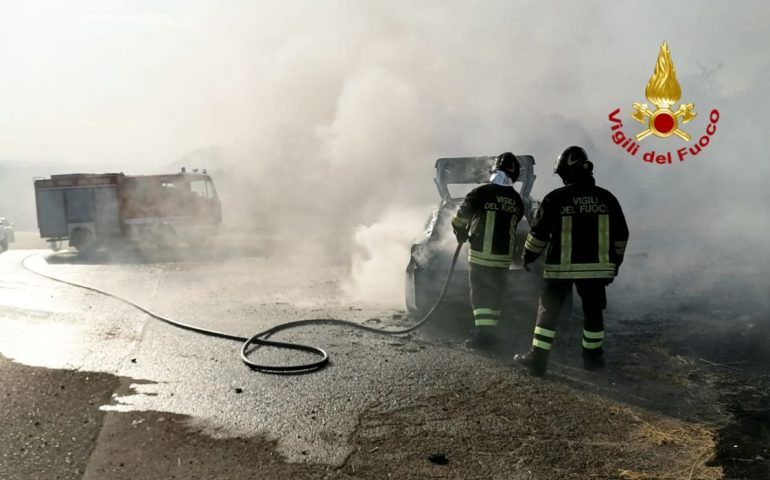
198, 187
211, 193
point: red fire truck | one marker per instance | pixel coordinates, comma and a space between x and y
91, 209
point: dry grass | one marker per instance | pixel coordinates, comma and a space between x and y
631, 475
683, 449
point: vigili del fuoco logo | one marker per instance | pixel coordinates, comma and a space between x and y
663, 91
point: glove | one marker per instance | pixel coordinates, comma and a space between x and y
526, 259
461, 235
617, 269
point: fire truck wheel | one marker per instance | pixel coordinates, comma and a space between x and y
82, 239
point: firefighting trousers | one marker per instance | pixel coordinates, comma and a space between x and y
488, 285
594, 299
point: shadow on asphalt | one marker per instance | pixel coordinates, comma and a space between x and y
47, 412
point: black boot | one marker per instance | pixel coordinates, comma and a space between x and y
536, 360
593, 359
482, 338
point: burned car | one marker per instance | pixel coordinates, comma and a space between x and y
431, 255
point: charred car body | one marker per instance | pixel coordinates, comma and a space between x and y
432, 253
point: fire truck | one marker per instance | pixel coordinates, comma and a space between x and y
92, 210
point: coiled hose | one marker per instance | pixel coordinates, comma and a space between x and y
261, 339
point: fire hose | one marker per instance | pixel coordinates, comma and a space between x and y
258, 340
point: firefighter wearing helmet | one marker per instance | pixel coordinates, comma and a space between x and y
488, 218
582, 230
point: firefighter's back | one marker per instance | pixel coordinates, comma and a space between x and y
498, 210
586, 222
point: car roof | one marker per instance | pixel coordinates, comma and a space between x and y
476, 170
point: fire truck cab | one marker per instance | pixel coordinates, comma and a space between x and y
91, 210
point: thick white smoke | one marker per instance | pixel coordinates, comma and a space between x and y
379, 257
332, 113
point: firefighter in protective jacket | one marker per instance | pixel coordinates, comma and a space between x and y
582, 230
488, 217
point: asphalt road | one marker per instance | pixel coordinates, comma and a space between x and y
159, 368
94, 389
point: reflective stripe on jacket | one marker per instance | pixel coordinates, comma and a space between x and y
491, 212
583, 231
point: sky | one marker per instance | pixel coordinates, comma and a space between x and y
347, 104
97, 81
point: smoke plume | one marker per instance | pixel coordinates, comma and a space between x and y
321, 120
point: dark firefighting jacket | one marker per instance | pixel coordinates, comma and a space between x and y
491, 212
583, 231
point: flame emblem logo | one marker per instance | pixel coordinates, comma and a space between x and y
663, 91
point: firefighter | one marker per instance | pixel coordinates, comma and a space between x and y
583, 232
488, 217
